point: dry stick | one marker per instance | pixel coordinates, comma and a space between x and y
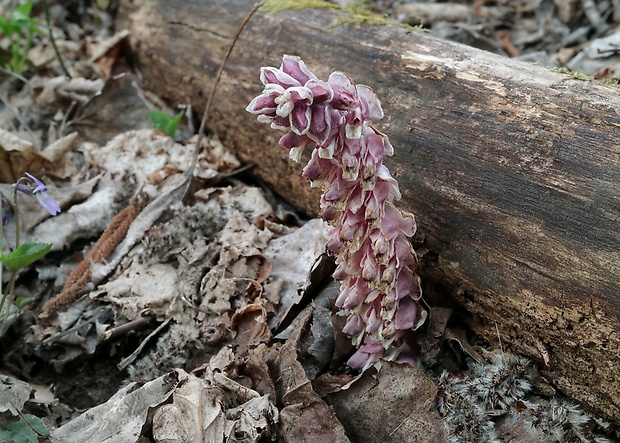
129, 360
218, 76
126, 327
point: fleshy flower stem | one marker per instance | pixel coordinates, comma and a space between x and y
368, 235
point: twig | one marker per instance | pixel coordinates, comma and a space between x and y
11, 286
127, 327
17, 76
128, 360
504, 37
499, 338
218, 76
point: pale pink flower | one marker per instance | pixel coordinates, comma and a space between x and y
368, 234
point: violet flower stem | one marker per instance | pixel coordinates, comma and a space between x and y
11, 286
1, 266
16, 212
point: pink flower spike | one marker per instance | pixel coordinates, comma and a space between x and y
291, 140
368, 235
296, 97
371, 107
366, 356
384, 174
266, 102
375, 145
354, 325
300, 120
356, 199
406, 313
405, 283
273, 76
375, 202
320, 125
321, 91
373, 321
345, 95
296, 68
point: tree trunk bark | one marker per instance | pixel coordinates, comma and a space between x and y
512, 170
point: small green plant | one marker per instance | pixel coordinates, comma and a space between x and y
27, 429
164, 122
25, 254
19, 28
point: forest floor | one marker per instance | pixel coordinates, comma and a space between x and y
192, 304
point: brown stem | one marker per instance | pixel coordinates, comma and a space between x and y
218, 76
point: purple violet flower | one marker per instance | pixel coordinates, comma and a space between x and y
368, 235
30, 185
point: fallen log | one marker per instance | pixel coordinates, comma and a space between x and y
513, 171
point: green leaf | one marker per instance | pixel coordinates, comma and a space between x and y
159, 119
25, 255
171, 127
36, 424
4, 26
20, 302
22, 12
164, 122
20, 432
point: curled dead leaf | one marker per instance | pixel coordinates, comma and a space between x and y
305, 417
18, 156
255, 266
250, 325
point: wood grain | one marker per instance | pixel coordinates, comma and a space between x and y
513, 171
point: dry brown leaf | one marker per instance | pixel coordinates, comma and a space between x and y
251, 364
317, 346
305, 417
56, 150
61, 89
195, 414
106, 52
255, 266
14, 394
18, 156
293, 258
240, 262
120, 107
330, 383
250, 326
432, 339
122, 417
395, 405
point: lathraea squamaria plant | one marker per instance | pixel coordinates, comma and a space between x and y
368, 235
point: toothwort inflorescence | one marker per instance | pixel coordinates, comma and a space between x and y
368, 234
